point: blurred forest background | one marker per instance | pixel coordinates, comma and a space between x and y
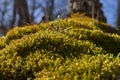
21, 12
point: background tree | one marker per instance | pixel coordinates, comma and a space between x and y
54, 8
49, 10
21, 9
92, 8
5, 15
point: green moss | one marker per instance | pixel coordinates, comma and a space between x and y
79, 50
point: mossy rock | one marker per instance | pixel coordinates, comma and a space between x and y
73, 48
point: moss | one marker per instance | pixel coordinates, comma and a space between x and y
73, 48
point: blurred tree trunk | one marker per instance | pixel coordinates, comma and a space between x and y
21, 9
92, 8
3, 29
118, 15
49, 10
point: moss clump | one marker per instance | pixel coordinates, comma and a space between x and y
73, 48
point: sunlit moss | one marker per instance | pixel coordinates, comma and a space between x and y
78, 50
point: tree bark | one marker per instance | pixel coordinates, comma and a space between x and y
21, 8
49, 10
92, 8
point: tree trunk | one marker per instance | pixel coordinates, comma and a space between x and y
49, 10
21, 8
92, 8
